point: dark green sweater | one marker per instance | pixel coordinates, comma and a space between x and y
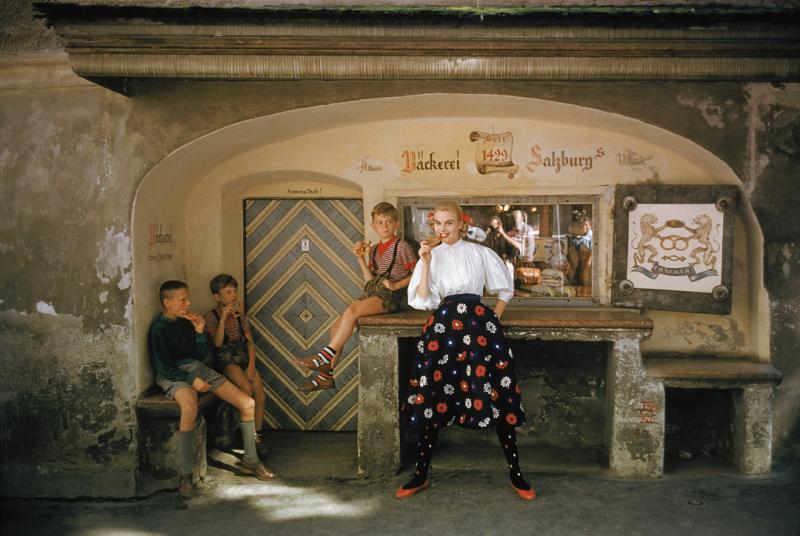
173, 343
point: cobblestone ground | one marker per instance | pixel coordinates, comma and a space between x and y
465, 502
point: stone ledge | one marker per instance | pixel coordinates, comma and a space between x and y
703, 371
531, 318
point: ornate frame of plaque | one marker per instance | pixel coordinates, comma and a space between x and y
673, 247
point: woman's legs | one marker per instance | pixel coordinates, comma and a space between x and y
427, 439
508, 440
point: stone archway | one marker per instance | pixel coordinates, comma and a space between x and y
315, 149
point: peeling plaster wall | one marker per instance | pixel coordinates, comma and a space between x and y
66, 417
72, 156
773, 184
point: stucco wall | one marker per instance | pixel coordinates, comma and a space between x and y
72, 156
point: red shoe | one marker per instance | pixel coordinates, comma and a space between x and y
403, 493
525, 494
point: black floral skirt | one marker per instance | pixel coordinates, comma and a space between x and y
463, 370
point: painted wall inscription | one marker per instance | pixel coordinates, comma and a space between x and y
366, 164
420, 160
160, 242
304, 191
493, 153
559, 159
675, 247
647, 411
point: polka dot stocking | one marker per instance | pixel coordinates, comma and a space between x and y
427, 439
508, 440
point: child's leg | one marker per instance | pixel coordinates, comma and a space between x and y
260, 398
341, 330
246, 405
347, 322
250, 388
235, 374
186, 397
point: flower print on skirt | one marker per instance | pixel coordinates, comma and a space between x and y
463, 369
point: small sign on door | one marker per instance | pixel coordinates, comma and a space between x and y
305, 244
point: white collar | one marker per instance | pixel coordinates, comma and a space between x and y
456, 244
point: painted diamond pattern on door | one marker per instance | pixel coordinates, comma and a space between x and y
293, 296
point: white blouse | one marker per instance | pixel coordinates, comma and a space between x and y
463, 268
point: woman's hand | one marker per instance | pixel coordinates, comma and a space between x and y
424, 252
499, 308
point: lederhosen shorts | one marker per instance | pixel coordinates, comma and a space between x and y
232, 353
374, 287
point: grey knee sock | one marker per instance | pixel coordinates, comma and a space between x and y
248, 429
187, 452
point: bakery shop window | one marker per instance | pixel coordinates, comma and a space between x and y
545, 243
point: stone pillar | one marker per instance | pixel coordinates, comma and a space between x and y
752, 445
160, 453
634, 413
378, 404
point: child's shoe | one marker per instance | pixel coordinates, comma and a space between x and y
256, 469
321, 362
321, 382
185, 487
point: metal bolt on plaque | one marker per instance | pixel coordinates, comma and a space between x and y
629, 203
626, 287
720, 293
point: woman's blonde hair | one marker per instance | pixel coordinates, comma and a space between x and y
446, 205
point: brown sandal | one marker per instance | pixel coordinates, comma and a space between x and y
318, 384
256, 469
313, 363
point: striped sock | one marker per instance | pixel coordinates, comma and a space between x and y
326, 354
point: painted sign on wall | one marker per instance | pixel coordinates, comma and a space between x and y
675, 247
493, 153
160, 242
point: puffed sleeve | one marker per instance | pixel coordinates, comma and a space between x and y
414, 300
498, 279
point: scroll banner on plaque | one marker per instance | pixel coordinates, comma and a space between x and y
493, 153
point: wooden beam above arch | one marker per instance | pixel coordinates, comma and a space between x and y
111, 41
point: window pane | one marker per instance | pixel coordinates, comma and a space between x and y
547, 247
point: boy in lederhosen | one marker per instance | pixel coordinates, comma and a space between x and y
386, 271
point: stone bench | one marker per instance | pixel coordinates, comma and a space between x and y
751, 382
635, 402
159, 440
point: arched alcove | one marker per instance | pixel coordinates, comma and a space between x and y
187, 218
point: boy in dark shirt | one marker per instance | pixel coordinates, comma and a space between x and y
178, 345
